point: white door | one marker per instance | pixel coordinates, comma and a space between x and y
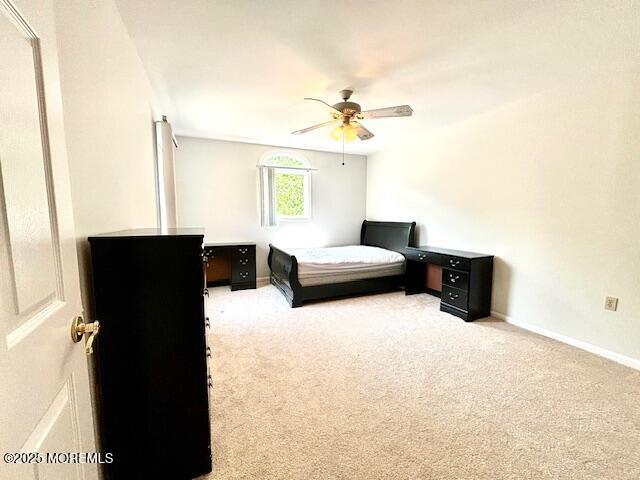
44, 387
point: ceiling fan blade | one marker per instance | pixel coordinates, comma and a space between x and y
308, 129
397, 111
363, 133
333, 110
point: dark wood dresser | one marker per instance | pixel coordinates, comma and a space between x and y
151, 355
461, 279
231, 264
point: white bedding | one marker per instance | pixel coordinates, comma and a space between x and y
319, 266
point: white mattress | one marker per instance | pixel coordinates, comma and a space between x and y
322, 266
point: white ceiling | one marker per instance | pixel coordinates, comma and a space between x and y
239, 69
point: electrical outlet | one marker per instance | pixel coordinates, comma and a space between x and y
611, 303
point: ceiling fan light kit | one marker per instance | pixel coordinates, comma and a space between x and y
348, 131
348, 115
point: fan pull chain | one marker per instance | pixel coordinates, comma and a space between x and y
343, 149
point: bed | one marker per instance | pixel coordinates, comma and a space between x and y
376, 265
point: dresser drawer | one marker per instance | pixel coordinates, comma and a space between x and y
454, 296
455, 278
456, 263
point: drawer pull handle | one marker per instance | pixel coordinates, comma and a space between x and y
205, 292
453, 279
454, 262
422, 257
243, 250
208, 351
207, 322
209, 381
453, 296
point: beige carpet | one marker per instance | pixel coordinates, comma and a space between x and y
388, 387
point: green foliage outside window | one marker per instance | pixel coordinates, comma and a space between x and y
284, 161
289, 194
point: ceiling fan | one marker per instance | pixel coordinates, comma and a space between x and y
347, 116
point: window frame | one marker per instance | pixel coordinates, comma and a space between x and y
304, 169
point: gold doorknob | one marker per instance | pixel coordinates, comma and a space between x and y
79, 328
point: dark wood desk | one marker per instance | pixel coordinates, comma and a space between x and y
231, 264
461, 279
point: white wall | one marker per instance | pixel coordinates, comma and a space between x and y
216, 185
108, 114
551, 186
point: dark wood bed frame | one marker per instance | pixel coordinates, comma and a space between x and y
390, 235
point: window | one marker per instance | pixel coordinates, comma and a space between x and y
285, 187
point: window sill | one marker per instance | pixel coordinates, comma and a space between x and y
293, 219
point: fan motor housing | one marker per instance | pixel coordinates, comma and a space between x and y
347, 108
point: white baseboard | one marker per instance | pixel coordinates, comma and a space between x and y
262, 281
616, 357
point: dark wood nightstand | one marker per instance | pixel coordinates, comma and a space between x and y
231, 264
462, 280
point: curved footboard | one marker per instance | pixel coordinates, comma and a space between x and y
284, 275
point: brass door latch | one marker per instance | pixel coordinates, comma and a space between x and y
79, 328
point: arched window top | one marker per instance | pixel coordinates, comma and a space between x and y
284, 160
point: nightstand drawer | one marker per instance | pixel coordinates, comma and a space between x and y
456, 263
455, 278
454, 296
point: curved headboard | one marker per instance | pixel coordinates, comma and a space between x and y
390, 235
